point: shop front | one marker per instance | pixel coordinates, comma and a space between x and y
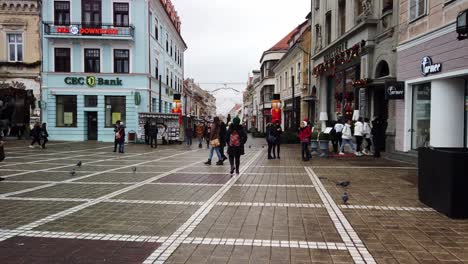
292, 117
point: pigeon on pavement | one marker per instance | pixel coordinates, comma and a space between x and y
79, 164
134, 169
73, 173
345, 198
343, 183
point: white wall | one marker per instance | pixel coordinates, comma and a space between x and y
447, 113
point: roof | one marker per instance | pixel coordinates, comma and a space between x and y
283, 44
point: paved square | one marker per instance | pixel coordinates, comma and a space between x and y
175, 209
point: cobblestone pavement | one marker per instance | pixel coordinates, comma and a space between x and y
175, 209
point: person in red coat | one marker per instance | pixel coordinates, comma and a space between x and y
304, 137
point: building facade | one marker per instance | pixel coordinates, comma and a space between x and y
433, 66
20, 62
354, 57
106, 61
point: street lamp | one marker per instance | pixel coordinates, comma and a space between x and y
462, 25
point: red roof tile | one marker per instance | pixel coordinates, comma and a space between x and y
283, 44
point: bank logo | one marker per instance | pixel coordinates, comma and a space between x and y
74, 30
427, 67
91, 81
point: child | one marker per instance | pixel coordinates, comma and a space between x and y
347, 138
367, 136
358, 133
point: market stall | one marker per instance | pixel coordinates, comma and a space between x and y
168, 126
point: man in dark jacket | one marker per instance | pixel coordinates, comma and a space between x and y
116, 129
153, 134
146, 127
222, 139
379, 128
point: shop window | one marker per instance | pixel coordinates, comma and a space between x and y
15, 47
92, 60
62, 59
417, 9
121, 17
66, 111
62, 13
121, 61
115, 109
91, 100
421, 115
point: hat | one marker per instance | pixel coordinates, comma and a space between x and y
236, 121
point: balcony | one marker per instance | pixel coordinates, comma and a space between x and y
88, 31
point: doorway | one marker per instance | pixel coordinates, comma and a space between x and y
92, 125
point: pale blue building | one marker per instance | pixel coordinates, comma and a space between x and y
104, 60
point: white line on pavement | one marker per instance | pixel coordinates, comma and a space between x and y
368, 167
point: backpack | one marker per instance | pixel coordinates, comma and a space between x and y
234, 139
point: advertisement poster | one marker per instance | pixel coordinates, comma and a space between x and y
68, 118
115, 117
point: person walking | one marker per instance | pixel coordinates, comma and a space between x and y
36, 135
367, 136
379, 127
214, 141
200, 130
116, 130
270, 139
304, 137
44, 135
164, 135
347, 138
358, 134
207, 133
153, 134
2, 150
222, 139
146, 128
236, 137
277, 132
121, 137
337, 140
189, 134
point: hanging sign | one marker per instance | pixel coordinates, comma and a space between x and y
427, 67
394, 90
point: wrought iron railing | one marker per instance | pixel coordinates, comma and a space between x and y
89, 29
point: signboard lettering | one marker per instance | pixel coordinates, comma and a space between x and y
395, 90
87, 31
92, 81
427, 67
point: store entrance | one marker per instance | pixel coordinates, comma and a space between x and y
92, 125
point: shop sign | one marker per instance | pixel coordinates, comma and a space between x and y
395, 90
87, 31
427, 67
92, 81
335, 51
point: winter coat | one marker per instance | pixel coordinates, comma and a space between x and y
189, 132
153, 131
214, 134
347, 133
358, 129
232, 150
44, 133
200, 131
36, 132
277, 131
367, 130
305, 134
121, 131
222, 134
338, 127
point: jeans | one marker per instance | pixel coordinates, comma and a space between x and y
217, 153
189, 141
347, 142
121, 147
276, 148
200, 142
305, 151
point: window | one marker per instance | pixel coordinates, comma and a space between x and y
115, 110
62, 60
167, 77
342, 16
317, 4
62, 13
167, 43
92, 60
121, 17
157, 69
65, 111
421, 115
171, 47
417, 8
161, 32
91, 13
299, 73
15, 46
156, 29
91, 100
121, 61
328, 22
154, 105
292, 74
171, 80
358, 5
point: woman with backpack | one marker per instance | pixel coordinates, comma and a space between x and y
304, 137
235, 140
44, 135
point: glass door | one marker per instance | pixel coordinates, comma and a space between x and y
421, 124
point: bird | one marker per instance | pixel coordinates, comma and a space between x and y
343, 183
134, 169
250, 146
345, 198
263, 146
79, 164
73, 173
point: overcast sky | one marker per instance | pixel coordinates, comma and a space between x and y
226, 39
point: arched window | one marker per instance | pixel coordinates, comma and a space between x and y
382, 69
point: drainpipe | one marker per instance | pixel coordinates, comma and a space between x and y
149, 59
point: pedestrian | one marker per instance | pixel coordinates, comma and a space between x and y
337, 140
199, 131
36, 135
2, 150
358, 134
270, 139
189, 134
222, 138
146, 127
153, 134
164, 135
304, 137
44, 135
367, 136
236, 137
277, 132
347, 137
121, 137
116, 130
379, 127
215, 142
207, 133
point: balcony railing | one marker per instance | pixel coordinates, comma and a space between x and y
100, 30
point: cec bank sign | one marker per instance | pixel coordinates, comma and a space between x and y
92, 81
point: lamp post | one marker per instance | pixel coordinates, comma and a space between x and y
293, 105
160, 99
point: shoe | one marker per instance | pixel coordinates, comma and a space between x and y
114, 150
364, 152
31, 146
270, 158
224, 158
358, 154
208, 162
219, 163
341, 153
278, 157
232, 171
274, 157
43, 147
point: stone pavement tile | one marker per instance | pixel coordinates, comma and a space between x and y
268, 223
63, 175
170, 193
271, 194
7, 187
84, 167
145, 169
181, 254
275, 178
17, 213
85, 191
128, 176
125, 219
196, 178
275, 169
53, 250
212, 169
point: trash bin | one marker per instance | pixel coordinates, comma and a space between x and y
132, 136
443, 179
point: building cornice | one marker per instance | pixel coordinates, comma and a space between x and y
428, 36
19, 6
